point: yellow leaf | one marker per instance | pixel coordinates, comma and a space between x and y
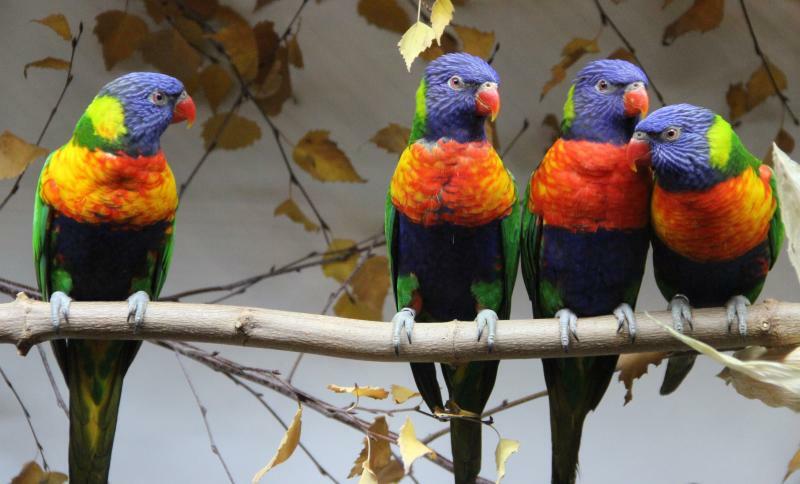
633, 365
385, 14
322, 159
448, 44
502, 452
410, 447
238, 133
47, 63
393, 138
370, 285
16, 154
474, 41
239, 42
216, 83
375, 463
702, 16
787, 175
291, 210
288, 444
169, 52
417, 38
31, 473
570, 54
794, 464
375, 393
295, 54
759, 86
756, 390
401, 394
58, 24
120, 34
337, 263
441, 15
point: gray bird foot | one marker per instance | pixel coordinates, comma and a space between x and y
403, 320
568, 323
59, 308
624, 315
681, 312
736, 309
487, 318
137, 305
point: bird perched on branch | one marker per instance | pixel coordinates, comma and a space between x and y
102, 231
717, 228
452, 229
585, 238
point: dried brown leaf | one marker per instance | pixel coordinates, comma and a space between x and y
633, 365
385, 14
623, 54
216, 83
239, 41
570, 54
318, 155
736, 97
369, 287
279, 76
168, 51
238, 133
702, 16
58, 23
474, 41
295, 54
375, 393
393, 138
261, 3
753, 388
447, 44
31, 473
204, 9
267, 41
759, 86
47, 63
338, 268
785, 141
289, 208
120, 34
16, 154
287, 446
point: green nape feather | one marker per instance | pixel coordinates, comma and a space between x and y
418, 127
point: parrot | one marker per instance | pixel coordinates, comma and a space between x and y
452, 233
716, 218
585, 238
103, 227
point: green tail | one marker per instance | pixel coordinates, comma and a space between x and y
575, 387
465, 443
678, 367
94, 371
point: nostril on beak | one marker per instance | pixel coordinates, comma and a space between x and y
634, 86
640, 136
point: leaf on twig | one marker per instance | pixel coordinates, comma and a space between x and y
401, 394
238, 133
447, 44
502, 452
570, 54
793, 465
47, 63
742, 99
754, 389
702, 16
58, 23
787, 175
289, 208
276, 87
375, 393
294, 53
169, 52
633, 365
31, 473
375, 464
16, 154
393, 138
411, 448
441, 15
320, 157
333, 263
417, 38
120, 34
239, 42
288, 444
369, 285
216, 83
474, 41
385, 14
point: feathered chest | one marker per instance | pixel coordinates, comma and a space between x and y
720, 223
93, 186
463, 184
585, 186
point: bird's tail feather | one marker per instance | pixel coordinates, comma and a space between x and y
678, 366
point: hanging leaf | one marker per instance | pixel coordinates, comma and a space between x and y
411, 448
120, 34
58, 24
375, 393
191, 31
288, 444
46, 63
294, 53
334, 265
784, 141
736, 97
385, 14
289, 208
168, 51
417, 38
322, 159
742, 99
159, 10
369, 286
267, 41
401, 394
754, 389
441, 15
474, 41
238, 133
216, 83
623, 54
239, 42
502, 452
633, 365
205, 9
31, 473
393, 138
448, 44
702, 16
787, 174
277, 85
16, 154
570, 54
794, 464
375, 463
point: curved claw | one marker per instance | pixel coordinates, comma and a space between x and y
487, 318
736, 309
59, 308
568, 323
137, 305
624, 315
681, 312
404, 319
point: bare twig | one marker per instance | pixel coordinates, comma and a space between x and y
27, 417
56, 391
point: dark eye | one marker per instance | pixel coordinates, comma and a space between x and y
158, 98
604, 86
671, 134
456, 83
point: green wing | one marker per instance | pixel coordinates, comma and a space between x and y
530, 241
776, 230
390, 229
164, 260
41, 224
509, 227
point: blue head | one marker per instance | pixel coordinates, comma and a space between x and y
605, 102
131, 112
457, 94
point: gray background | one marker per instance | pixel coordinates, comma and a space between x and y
355, 82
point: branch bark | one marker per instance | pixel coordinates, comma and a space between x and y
26, 322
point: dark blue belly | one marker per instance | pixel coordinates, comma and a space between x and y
710, 283
593, 272
447, 260
104, 260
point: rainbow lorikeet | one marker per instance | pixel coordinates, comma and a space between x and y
102, 230
452, 232
585, 238
716, 218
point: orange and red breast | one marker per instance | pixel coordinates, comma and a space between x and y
93, 186
586, 186
463, 184
717, 224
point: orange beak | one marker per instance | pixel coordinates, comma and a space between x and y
638, 151
185, 110
487, 100
636, 100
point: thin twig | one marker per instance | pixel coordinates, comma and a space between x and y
56, 391
27, 417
